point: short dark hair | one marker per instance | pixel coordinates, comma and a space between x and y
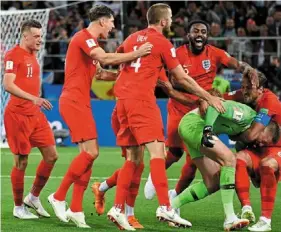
99, 11
26, 25
156, 12
275, 130
191, 23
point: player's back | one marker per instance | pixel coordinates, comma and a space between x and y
27, 70
237, 118
137, 79
79, 67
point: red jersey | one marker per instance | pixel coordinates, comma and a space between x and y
27, 70
80, 68
268, 101
202, 68
137, 79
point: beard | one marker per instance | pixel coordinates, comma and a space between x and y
194, 48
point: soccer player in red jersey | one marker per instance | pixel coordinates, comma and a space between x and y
99, 189
26, 126
200, 61
82, 64
140, 119
263, 165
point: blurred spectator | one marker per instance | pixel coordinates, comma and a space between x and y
215, 32
229, 28
275, 28
252, 29
264, 47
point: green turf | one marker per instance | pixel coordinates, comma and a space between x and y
206, 215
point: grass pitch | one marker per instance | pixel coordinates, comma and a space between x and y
205, 215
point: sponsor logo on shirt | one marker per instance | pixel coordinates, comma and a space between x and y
206, 64
90, 43
9, 65
237, 115
173, 52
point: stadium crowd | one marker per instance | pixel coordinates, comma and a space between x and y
226, 19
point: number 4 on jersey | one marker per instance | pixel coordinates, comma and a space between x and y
136, 64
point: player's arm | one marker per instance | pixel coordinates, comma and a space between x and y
191, 86
261, 120
118, 58
12, 88
172, 93
105, 75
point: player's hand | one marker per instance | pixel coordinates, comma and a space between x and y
203, 106
144, 49
216, 102
209, 138
43, 103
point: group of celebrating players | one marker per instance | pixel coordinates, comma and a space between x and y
196, 115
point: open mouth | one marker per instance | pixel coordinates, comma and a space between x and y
199, 42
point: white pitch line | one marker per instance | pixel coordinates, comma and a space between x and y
93, 178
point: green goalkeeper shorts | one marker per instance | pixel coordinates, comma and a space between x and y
191, 131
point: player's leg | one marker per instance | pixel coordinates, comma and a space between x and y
210, 171
269, 173
247, 163
83, 131
116, 214
174, 143
18, 129
133, 191
43, 138
187, 174
164, 212
225, 157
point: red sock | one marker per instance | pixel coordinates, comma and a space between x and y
17, 180
268, 190
112, 180
123, 183
134, 187
77, 168
43, 173
79, 188
170, 159
242, 183
159, 180
187, 175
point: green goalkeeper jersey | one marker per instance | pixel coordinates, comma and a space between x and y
236, 119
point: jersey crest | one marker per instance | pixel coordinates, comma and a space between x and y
206, 64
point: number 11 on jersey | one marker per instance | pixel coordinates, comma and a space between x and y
137, 63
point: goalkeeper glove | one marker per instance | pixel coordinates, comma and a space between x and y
209, 137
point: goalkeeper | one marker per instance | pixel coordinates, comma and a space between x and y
216, 161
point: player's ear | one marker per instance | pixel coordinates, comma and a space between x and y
102, 21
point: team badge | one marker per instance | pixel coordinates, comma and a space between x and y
206, 64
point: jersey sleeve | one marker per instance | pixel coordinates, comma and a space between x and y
169, 56
11, 63
262, 117
222, 56
87, 44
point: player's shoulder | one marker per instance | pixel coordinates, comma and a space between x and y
215, 51
13, 52
181, 48
269, 96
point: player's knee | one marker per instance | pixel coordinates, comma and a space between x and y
21, 163
176, 151
269, 162
229, 161
93, 152
242, 156
52, 158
